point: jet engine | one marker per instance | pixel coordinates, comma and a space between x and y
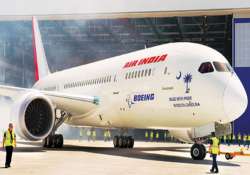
34, 116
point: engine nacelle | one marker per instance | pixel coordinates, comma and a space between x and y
34, 116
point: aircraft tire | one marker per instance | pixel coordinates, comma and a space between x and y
198, 152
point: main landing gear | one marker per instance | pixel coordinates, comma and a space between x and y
56, 140
198, 151
123, 142
53, 141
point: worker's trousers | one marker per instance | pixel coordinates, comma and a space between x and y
215, 166
9, 150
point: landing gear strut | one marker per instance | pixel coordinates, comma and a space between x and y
56, 140
53, 141
198, 151
123, 142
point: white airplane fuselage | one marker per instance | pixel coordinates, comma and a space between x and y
174, 95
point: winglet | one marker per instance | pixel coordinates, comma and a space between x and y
40, 61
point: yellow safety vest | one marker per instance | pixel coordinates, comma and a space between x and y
146, 134
9, 141
245, 138
225, 138
215, 145
248, 137
157, 135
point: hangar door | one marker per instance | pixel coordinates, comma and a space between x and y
241, 63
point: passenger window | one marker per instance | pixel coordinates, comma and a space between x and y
139, 73
206, 68
165, 70
129, 75
135, 74
142, 73
221, 67
149, 72
132, 76
146, 72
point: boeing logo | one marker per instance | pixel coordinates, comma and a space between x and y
139, 98
144, 97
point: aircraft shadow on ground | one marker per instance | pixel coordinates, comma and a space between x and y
137, 152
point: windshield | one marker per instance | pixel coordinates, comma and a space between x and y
221, 67
206, 68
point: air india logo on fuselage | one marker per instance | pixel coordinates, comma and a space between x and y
149, 60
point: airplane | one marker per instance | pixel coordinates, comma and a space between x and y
180, 87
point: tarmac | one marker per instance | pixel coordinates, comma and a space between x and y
100, 158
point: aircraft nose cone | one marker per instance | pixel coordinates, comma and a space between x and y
235, 99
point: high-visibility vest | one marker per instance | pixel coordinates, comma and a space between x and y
157, 135
224, 138
146, 134
88, 133
9, 140
239, 137
94, 134
245, 137
248, 137
151, 135
215, 145
233, 137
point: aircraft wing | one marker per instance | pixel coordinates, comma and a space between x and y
74, 104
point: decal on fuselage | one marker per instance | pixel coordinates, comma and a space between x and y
149, 60
183, 101
186, 79
139, 97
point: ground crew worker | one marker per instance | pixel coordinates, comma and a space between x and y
146, 135
229, 140
93, 135
225, 139
157, 136
109, 135
239, 139
88, 134
81, 134
105, 135
244, 140
165, 136
9, 142
214, 150
248, 141
151, 136
233, 139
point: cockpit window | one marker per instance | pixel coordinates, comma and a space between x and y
206, 68
221, 67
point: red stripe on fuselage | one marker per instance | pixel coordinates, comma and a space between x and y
34, 51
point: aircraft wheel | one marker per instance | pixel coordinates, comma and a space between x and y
120, 142
130, 142
116, 141
198, 152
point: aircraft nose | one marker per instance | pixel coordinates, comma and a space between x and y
235, 99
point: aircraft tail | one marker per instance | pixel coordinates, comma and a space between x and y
40, 61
